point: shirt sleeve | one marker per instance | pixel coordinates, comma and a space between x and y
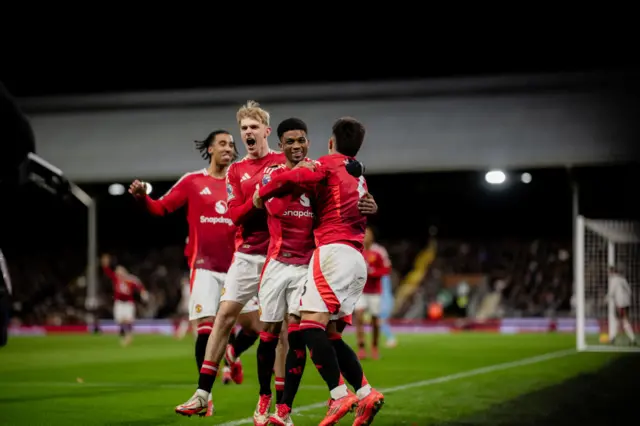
239, 210
301, 177
175, 198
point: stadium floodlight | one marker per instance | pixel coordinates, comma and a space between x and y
525, 177
600, 244
116, 189
495, 177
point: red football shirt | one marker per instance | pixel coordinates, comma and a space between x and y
336, 196
290, 220
211, 232
123, 289
378, 267
243, 179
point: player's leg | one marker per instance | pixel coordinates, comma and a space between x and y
626, 325
206, 287
358, 319
279, 370
250, 326
294, 353
272, 310
369, 400
295, 361
374, 310
386, 308
203, 306
240, 286
350, 366
329, 283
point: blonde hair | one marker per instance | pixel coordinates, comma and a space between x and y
252, 110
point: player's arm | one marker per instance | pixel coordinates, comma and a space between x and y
175, 198
105, 262
239, 210
305, 175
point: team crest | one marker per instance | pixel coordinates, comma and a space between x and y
221, 207
198, 308
266, 179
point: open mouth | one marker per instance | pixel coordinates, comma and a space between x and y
251, 141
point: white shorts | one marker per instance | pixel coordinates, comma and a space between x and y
369, 302
124, 312
243, 278
336, 277
280, 290
205, 293
251, 306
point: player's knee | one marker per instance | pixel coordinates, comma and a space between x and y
272, 327
205, 320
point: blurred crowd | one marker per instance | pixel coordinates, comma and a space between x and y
501, 278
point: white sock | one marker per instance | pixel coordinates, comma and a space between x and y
363, 392
628, 329
203, 393
339, 392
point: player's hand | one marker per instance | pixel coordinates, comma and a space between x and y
367, 205
306, 164
138, 189
257, 201
144, 296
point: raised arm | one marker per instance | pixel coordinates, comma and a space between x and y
175, 198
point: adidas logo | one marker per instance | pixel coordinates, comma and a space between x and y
205, 191
245, 177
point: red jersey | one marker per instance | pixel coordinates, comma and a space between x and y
211, 232
290, 219
336, 196
243, 179
378, 267
123, 289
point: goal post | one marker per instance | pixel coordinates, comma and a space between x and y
599, 244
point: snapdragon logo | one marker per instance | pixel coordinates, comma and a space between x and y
298, 213
214, 220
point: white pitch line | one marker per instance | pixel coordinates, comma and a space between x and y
437, 380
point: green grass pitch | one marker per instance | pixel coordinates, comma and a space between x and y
456, 379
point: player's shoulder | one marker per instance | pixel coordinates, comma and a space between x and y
194, 175
270, 171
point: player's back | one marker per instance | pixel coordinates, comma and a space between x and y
339, 220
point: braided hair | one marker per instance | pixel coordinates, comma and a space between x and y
203, 146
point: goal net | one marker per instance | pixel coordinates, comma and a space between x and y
599, 245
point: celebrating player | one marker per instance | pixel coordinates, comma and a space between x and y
620, 293
211, 241
290, 222
125, 287
241, 283
371, 298
338, 272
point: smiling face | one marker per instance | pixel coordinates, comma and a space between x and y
294, 145
222, 150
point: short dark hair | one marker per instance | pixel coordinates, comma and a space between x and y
349, 135
291, 124
203, 146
